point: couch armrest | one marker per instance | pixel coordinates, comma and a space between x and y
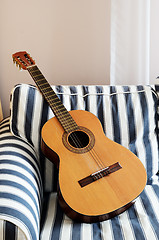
20, 184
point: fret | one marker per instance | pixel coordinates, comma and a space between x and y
70, 126
43, 84
53, 99
49, 92
35, 70
44, 88
60, 108
69, 122
39, 77
60, 111
35, 73
68, 118
52, 96
41, 81
54, 102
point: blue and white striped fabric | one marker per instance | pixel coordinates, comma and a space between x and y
157, 90
20, 188
10, 231
129, 116
140, 222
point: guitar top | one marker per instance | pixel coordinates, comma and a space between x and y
98, 178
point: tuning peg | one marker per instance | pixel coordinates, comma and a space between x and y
20, 67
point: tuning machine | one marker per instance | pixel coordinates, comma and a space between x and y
17, 63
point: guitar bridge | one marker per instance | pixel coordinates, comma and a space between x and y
99, 174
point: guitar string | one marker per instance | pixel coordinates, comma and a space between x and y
97, 173
78, 144
74, 138
92, 152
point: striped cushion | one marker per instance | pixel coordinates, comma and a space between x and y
140, 222
127, 114
20, 187
157, 90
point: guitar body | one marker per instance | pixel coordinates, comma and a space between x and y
105, 195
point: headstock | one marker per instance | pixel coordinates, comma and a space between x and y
23, 60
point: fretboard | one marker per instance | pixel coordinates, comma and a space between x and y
54, 102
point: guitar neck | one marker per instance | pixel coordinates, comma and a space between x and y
54, 102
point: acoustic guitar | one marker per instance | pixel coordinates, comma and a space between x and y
98, 178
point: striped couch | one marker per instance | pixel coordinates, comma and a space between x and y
28, 181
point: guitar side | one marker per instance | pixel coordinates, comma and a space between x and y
109, 195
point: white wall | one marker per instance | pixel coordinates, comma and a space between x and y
69, 39
154, 41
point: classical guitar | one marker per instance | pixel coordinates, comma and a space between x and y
98, 178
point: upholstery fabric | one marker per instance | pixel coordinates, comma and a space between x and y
140, 222
20, 187
128, 115
157, 90
10, 231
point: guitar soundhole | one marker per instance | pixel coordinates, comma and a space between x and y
79, 141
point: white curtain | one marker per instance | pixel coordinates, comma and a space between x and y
130, 42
